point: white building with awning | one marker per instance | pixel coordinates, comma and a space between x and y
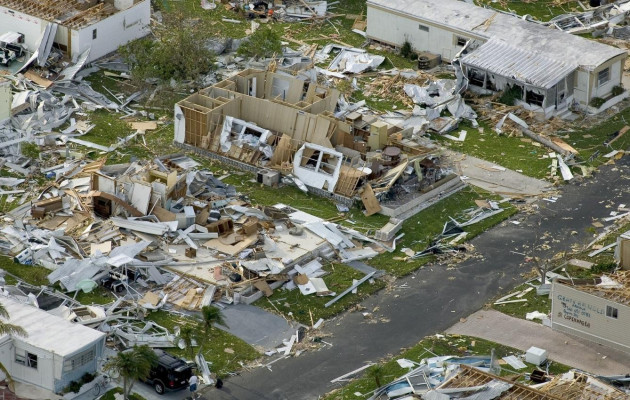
551, 68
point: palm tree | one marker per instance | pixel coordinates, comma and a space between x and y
132, 365
9, 329
189, 335
376, 372
210, 316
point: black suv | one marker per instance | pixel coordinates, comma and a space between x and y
170, 373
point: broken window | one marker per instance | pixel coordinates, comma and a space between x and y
603, 76
93, 34
476, 77
490, 85
460, 41
423, 28
533, 98
328, 165
611, 312
26, 358
310, 162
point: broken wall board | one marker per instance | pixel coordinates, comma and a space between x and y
104, 247
143, 125
371, 203
140, 197
231, 249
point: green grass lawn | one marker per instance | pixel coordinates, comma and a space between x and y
543, 10
35, 275
508, 151
591, 140
294, 305
431, 346
227, 353
423, 227
519, 310
290, 195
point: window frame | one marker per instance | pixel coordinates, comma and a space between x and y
31, 360
612, 312
461, 39
605, 71
26, 358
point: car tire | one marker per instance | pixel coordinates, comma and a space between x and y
159, 387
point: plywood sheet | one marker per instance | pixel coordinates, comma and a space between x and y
371, 203
144, 125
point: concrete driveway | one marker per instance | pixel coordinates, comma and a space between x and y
521, 334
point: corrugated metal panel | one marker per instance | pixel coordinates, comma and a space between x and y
479, 21
524, 66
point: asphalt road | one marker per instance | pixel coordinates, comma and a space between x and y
437, 296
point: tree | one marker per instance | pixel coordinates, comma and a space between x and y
265, 42
177, 51
9, 329
132, 365
376, 372
189, 335
210, 316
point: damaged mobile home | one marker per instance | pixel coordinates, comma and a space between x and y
473, 377
75, 27
260, 121
547, 69
593, 309
45, 357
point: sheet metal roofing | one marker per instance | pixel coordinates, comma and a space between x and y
528, 36
524, 66
47, 331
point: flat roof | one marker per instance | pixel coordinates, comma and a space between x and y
530, 36
47, 331
74, 14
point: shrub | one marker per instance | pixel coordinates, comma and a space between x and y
511, 95
87, 377
597, 102
617, 90
407, 51
263, 43
603, 268
73, 387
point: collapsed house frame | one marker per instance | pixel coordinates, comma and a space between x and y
259, 120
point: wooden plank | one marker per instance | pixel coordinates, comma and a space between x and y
621, 133
371, 203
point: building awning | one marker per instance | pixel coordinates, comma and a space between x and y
500, 58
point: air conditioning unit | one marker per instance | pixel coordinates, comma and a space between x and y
268, 177
428, 60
